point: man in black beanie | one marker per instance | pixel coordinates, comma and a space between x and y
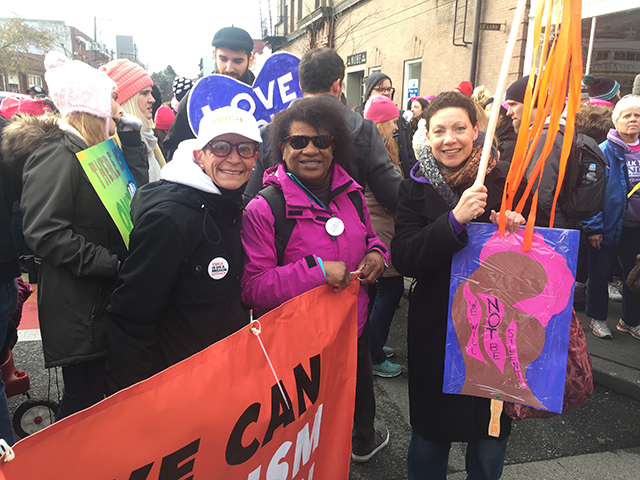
546, 190
233, 55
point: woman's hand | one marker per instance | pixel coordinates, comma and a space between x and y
337, 274
595, 241
370, 267
513, 220
471, 204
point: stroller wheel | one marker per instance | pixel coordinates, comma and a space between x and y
34, 415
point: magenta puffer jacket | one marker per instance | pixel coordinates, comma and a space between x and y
265, 285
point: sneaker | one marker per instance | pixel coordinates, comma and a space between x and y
623, 327
600, 329
614, 292
379, 441
388, 351
387, 369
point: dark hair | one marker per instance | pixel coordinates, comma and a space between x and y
451, 100
318, 69
413, 123
322, 113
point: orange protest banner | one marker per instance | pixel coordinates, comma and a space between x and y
220, 414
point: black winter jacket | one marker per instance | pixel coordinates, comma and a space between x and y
66, 224
168, 305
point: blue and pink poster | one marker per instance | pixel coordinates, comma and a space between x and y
276, 86
509, 316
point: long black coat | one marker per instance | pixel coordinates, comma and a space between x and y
66, 224
422, 247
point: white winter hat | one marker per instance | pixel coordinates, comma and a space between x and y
227, 120
76, 87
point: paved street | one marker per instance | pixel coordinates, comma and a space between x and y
599, 440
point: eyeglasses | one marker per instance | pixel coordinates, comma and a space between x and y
298, 142
384, 90
222, 148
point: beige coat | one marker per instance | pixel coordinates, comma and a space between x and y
383, 222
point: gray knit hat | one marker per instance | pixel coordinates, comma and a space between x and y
371, 81
636, 85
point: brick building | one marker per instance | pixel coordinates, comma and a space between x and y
426, 46
68, 40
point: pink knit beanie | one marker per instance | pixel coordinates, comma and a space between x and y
164, 117
380, 109
130, 77
76, 87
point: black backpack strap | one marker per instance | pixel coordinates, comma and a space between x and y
283, 226
356, 199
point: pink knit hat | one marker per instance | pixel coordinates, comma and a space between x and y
164, 117
12, 105
74, 86
130, 77
380, 109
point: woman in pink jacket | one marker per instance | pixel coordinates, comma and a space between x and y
310, 227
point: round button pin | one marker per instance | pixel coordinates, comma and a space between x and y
218, 268
334, 227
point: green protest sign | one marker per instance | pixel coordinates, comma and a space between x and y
110, 176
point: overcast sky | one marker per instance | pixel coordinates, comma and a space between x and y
176, 33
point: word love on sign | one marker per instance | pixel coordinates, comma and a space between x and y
275, 88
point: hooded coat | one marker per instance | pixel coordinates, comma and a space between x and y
179, 288
369, 165
66, 224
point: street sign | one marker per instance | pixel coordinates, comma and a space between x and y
357, 59
491, 26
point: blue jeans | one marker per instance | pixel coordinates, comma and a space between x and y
389, 293
429, 461
601, 264
8, 304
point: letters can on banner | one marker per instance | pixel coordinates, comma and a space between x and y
221, 413
112, 180
275, 88
509, 316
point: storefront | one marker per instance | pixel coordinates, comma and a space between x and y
610, 40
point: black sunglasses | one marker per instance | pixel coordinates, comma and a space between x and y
298, 142
222, 148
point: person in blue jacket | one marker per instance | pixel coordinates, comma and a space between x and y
615, 231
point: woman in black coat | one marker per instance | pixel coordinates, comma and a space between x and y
435, 205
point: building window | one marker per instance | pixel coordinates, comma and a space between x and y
615, 47
412, 75
35, 80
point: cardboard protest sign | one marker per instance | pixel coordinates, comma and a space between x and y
509, 316
110, 176
220, 413
275, 88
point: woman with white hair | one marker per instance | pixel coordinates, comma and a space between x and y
615, 231
134, 95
